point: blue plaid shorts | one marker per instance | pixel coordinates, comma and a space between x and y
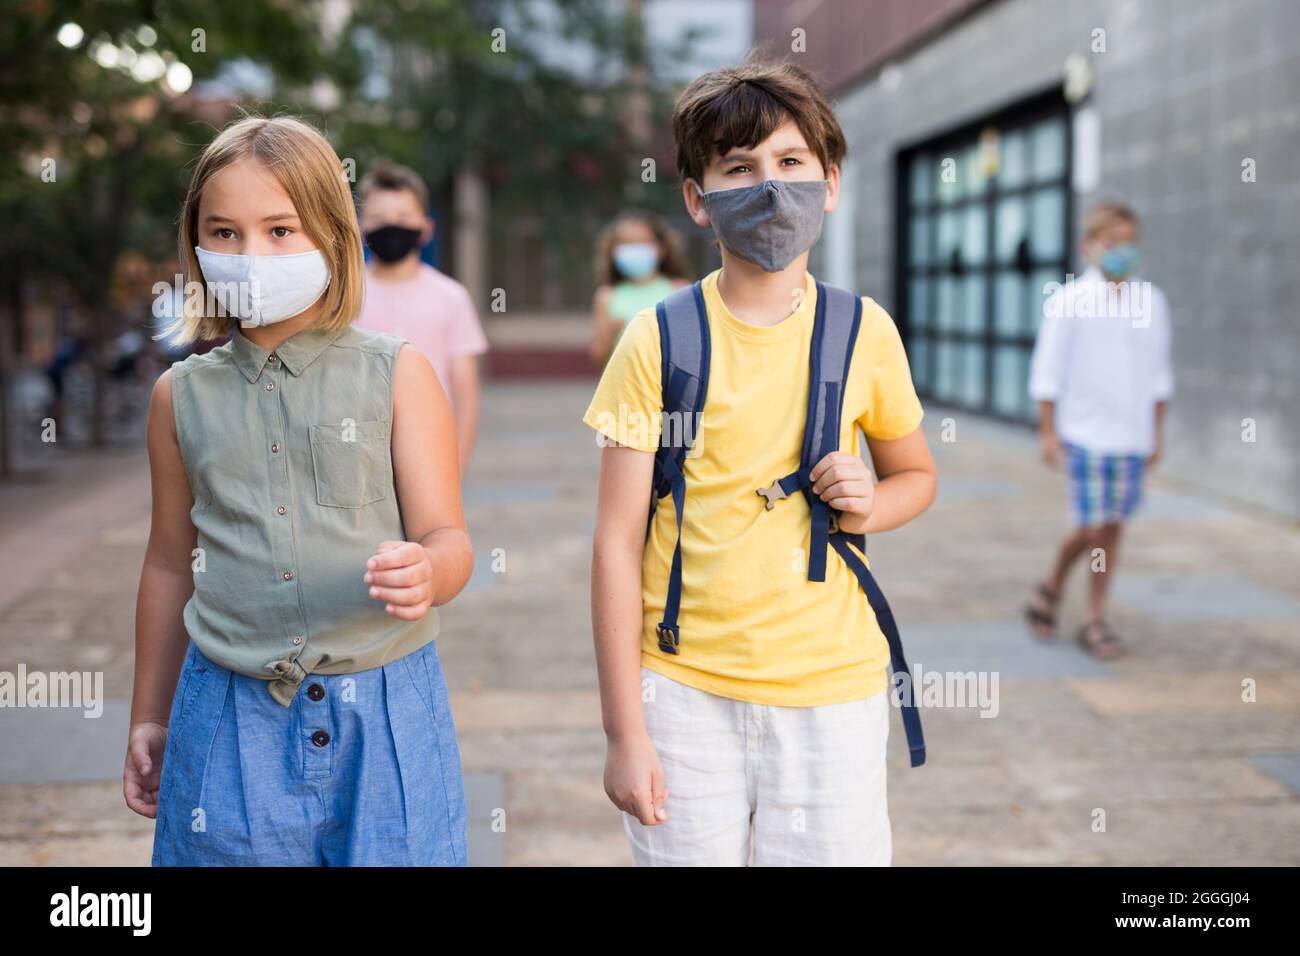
361, 769
1104, 489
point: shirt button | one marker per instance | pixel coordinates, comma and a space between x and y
270, 386
320, 738
315, 691
297, 639
288, 575
275, 446
273, 358
280, 510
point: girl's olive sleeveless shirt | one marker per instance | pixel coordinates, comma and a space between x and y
288, 455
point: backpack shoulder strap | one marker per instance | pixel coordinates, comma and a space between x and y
835, 329
833, 353
684, 373
835, 332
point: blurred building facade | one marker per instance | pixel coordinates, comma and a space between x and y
979, 132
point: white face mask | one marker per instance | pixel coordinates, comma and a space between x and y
261, 290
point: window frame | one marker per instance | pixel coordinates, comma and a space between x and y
1021, 116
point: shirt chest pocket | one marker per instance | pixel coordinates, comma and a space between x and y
352, 463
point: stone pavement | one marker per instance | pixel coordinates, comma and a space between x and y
1160, 744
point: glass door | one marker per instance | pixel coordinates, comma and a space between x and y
984, 227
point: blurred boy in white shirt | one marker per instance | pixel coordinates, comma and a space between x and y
1102, 376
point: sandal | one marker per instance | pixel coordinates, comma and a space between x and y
1041, 612
1100, 641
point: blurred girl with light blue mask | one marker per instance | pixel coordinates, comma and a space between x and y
639, 260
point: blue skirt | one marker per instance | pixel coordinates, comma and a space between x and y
362, 769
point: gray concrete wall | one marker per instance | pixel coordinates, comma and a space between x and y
1185, 90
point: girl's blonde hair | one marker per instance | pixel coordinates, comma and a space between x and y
308, 169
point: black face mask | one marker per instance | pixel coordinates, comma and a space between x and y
392, 243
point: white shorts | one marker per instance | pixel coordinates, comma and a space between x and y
765, 785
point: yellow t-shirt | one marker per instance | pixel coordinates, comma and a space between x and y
753, 627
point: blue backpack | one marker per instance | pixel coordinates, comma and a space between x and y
684, 348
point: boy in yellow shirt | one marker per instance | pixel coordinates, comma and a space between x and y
744, 697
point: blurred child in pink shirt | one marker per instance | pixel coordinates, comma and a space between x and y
415, 301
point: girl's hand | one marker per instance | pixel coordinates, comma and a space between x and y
143, 772
634, 780
401, 574
844, 482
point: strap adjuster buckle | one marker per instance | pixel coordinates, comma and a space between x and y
669, 638
772, 494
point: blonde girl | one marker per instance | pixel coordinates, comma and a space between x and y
289, 707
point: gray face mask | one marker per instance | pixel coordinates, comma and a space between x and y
768, 224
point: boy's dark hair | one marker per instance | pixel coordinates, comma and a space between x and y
742, 105
391, 176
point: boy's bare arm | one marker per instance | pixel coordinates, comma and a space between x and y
906, 486
634, 776
616, 613
1051, 444
1159, 433
465, 398
1046, 417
